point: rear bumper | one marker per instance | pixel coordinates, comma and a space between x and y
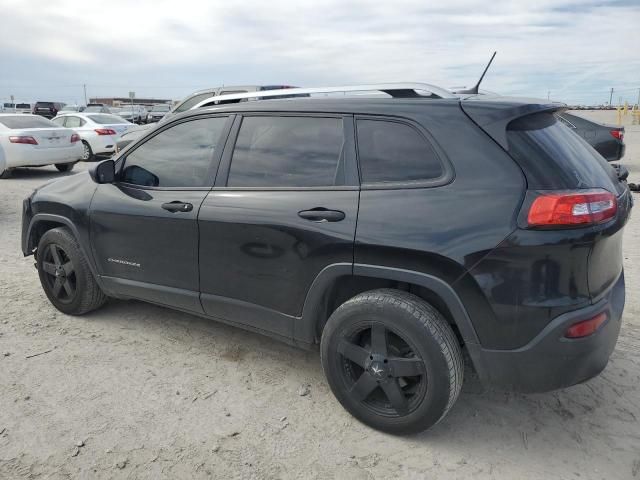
551, 361
35, 157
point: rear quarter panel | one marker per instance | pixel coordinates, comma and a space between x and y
444, 231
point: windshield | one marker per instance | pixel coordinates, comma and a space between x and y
106, 119
26, 121
160, 108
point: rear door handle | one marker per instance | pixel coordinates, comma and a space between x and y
177, 206
321, 214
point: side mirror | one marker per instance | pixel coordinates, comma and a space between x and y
104, 172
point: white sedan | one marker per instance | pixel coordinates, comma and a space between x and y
99, 132
34, 141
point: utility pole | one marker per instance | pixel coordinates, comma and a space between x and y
638, 102
610, 97
85, 92
548, 94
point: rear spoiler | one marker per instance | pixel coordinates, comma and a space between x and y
494, 115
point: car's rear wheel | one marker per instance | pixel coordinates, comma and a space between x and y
65, 167
87, 153
392, 361
65, 275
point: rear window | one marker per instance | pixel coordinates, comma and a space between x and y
23, 105
106, 119
44, 104
26, 121
554, 157
160, 108
395, 152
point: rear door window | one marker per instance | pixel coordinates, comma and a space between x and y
553, 156
392, 152
287, 152
73, 122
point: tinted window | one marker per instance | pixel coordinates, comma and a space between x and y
106, 119
23, 105
177, 157
286, 152
541, 144
26, 121
394, 152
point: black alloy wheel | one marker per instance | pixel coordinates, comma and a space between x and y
60, 273
382, 370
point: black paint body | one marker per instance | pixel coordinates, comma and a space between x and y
245, 256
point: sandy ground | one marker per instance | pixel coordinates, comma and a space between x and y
137, 391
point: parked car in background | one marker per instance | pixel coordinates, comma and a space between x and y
197, 97
32, 141
25, 108
607, 139
132, 134
98, 132
157, 113
97, 108
70, 109
8, 107
47, 109
133, 113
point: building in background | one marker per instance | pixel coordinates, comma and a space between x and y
117, 101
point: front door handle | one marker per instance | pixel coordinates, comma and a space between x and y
177, 206
321, 214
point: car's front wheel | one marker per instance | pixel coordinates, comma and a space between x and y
65, 275
65, 167
392, 361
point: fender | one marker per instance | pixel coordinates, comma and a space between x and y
304, 328
48, 217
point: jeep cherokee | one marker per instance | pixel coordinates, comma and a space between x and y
393, 233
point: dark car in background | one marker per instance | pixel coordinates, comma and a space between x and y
47, 109
336, 222
608, 140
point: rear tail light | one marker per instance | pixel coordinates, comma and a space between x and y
23, 139
75, 138
619, 134
585, 328
105, 131
577, 208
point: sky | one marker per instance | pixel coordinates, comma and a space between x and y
569, 50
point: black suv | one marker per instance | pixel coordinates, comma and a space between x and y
47, 109
395, 233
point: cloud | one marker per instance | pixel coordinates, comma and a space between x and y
576, 49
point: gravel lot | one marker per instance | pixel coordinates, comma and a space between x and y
138, 391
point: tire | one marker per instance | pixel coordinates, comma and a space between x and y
65, 275
87, 153
392, 361
65, 167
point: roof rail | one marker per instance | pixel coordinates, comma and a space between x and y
396, 90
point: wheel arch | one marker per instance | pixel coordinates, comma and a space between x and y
42, 223
339, 282
326, 294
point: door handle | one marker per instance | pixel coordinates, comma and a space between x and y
177, 206
321, 214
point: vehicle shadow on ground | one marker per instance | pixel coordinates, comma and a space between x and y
482, 418
39, 174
